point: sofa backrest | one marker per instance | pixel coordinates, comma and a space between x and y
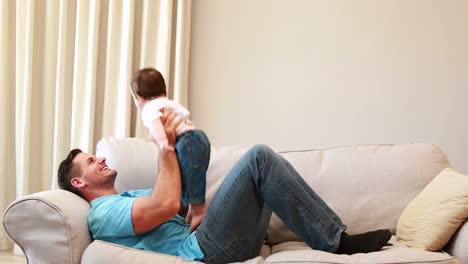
367, 186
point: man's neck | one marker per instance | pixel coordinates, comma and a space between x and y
100, 193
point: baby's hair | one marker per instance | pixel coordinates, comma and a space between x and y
148, 83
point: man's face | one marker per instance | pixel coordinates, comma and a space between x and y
94, 171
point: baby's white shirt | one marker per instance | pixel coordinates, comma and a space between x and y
151, 112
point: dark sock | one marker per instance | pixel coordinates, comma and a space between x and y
363, 243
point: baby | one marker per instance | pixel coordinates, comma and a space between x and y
192, 145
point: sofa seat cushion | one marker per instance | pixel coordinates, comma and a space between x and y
107, 253
104, 252
299, 252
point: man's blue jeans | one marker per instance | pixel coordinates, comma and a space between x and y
236, 221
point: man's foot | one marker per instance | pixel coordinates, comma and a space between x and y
363, 243
195, 215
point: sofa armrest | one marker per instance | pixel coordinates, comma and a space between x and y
458, 245
50, 227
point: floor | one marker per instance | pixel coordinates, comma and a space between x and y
8, 257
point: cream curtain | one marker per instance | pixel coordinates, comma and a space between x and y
64, 79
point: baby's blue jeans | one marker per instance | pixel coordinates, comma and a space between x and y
193, 152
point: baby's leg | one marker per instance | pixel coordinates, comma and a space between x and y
193, 153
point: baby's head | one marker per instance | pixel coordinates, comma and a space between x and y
147, 84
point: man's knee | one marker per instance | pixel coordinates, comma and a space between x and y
261, 150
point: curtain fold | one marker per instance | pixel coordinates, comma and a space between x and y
65, 74
7, 110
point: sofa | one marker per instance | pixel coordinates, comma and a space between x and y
368, 186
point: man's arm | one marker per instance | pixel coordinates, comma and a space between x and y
150, 212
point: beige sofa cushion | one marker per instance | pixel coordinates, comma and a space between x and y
135, 159
367, 186
431, 219
299, 252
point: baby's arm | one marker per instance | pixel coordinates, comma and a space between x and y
157, 132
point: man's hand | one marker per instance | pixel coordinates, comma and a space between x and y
195, 215
165, 145
170, 122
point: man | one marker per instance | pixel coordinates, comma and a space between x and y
236, 221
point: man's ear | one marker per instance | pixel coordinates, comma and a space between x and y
77, 183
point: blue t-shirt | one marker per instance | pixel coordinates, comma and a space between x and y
110, 219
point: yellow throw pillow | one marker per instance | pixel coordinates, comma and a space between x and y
431, 219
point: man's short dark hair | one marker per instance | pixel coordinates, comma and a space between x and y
65, 172
148, 83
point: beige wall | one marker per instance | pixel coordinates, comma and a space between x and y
312, 74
